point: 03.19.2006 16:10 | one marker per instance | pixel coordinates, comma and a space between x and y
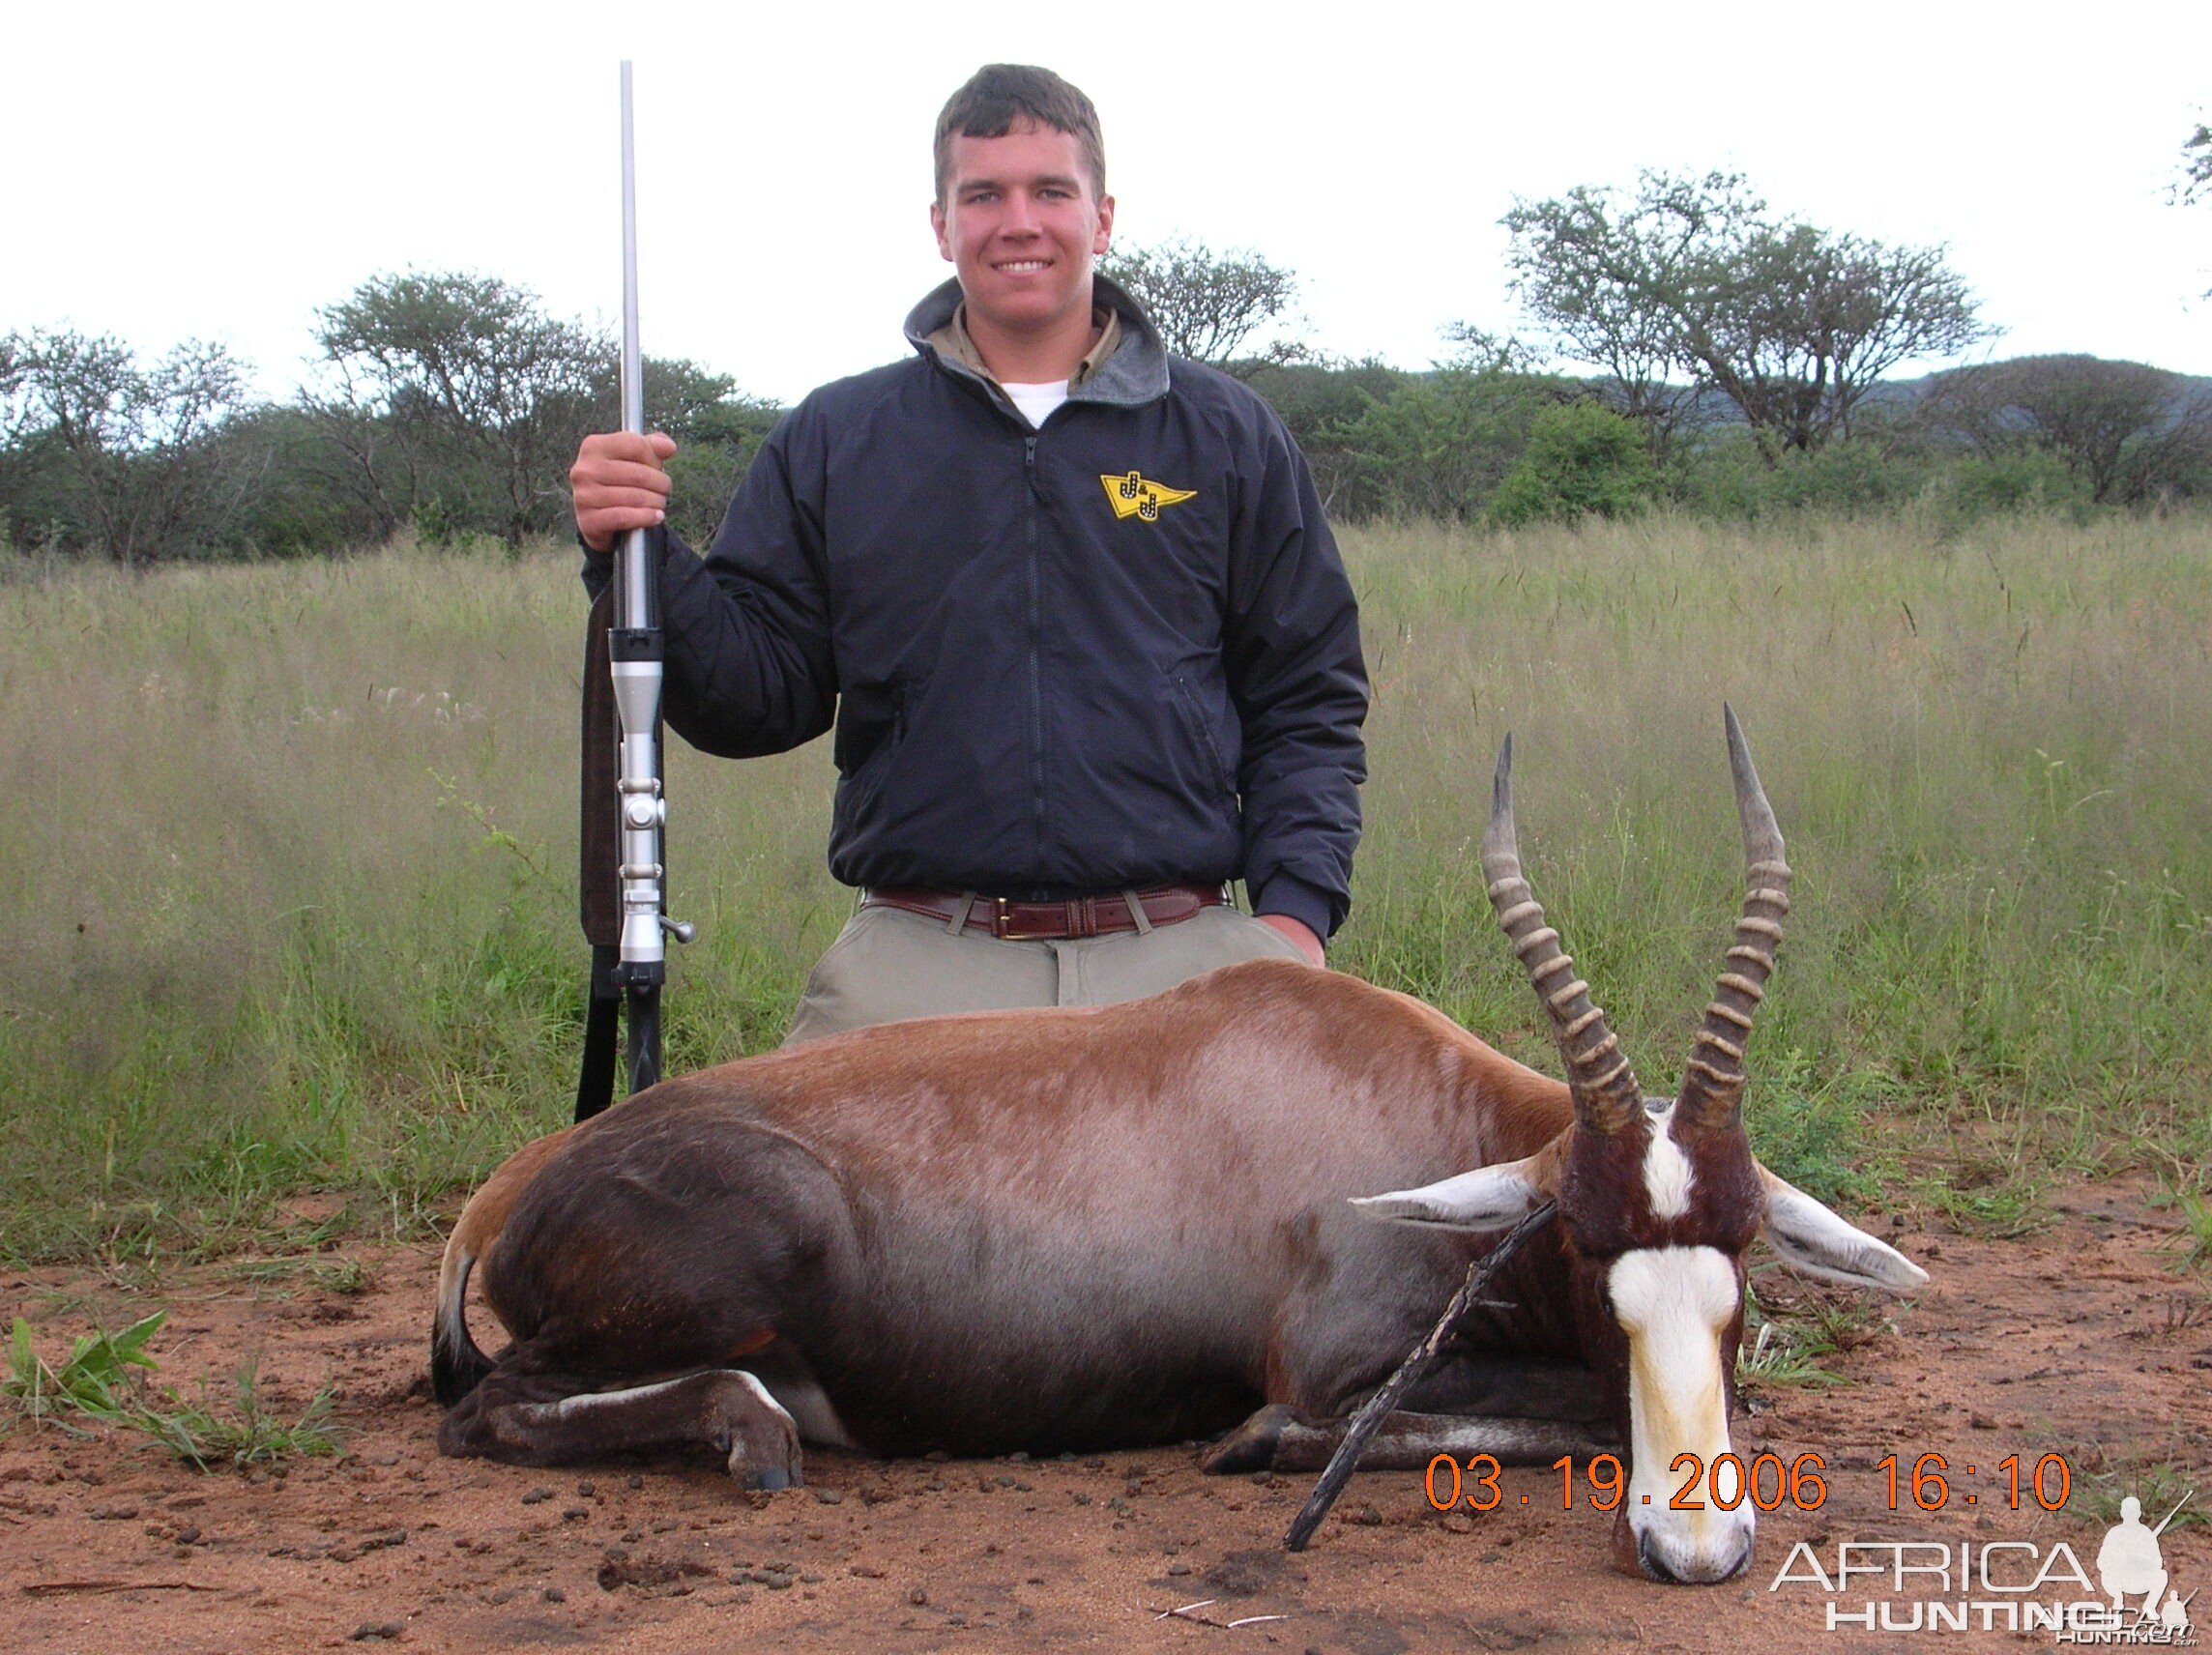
1768, 1481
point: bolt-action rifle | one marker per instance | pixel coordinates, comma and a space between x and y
624, 884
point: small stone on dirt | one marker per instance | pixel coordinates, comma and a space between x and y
554, 1594
918, 1597
372, 1631
831, 1496
648, 1571
538, 1497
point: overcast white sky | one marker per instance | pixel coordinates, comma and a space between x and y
220, 170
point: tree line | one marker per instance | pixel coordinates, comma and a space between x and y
1735, 359
450, 403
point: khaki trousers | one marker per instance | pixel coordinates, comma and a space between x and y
888, 965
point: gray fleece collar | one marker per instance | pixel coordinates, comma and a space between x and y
1135, 374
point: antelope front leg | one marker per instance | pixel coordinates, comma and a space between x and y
725, 1406
1281, 1438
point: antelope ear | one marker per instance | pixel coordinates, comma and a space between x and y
1489, 1198
1814, 1242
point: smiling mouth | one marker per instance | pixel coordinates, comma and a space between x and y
1022, 267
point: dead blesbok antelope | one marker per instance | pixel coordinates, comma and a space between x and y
1092, 1227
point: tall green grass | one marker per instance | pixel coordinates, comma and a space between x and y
1988, 750
287, 851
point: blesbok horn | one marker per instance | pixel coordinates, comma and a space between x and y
1711, 1098
1606, 1094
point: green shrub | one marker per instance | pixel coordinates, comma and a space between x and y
1870, 475
1581, 458
1438, 446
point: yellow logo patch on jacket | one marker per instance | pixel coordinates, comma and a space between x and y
1131, 496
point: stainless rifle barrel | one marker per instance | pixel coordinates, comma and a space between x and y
635, 658
637, 595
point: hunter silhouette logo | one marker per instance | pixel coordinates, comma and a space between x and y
1131, 496
2129, 1564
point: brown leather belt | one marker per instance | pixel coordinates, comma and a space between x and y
1015, 921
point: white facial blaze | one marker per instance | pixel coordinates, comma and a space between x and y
1667, 1175
1674, 1304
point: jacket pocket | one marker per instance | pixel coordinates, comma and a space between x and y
1197, 730
871, 722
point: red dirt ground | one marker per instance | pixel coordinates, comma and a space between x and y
2084, 1339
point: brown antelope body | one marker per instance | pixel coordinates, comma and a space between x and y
1092, 1227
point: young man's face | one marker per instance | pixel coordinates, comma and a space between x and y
1021, 223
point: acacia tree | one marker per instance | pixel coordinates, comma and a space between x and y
1206, 304
1593, 266
138, 446
2125, 428
1691, 276
448, 388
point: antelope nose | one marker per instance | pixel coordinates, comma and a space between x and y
1697, 1570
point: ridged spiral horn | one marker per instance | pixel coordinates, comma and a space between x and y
1606, 1094
1711, 1098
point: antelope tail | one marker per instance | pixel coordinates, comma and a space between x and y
456, 1366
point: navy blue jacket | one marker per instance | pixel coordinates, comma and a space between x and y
1116, 650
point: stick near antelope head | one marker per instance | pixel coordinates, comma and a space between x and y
1658, 1200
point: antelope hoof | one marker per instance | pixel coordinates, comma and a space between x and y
1251, 1446
758, 1437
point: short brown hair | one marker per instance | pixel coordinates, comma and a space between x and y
1000, 93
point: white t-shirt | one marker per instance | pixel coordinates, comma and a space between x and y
1036, 401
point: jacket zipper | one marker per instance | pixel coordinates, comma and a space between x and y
1037, 653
